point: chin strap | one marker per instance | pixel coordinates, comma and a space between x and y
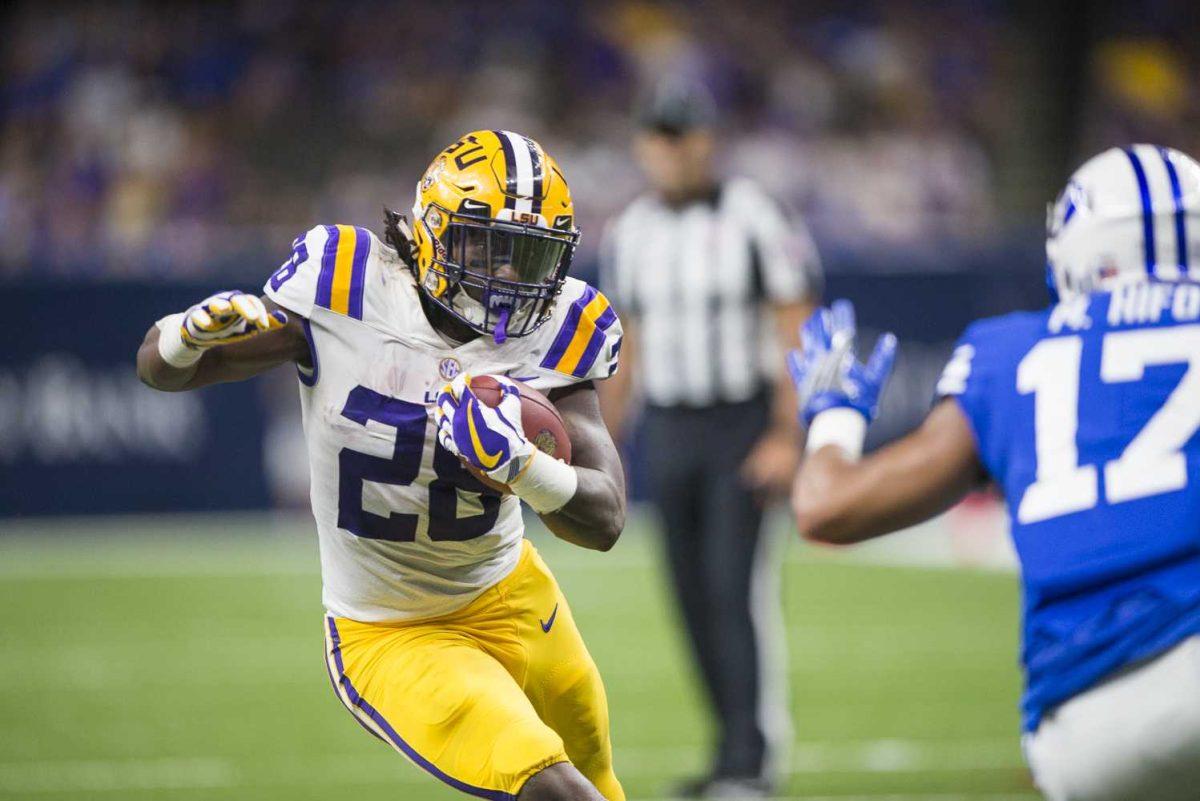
500, 333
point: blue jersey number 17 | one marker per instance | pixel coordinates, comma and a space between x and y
1152, 463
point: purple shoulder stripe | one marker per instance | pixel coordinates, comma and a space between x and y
596, 343
358, 271
589, 354
567, 332
605, 320
328, 264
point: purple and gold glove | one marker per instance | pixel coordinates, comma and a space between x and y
487, 438
227, 317
220, 319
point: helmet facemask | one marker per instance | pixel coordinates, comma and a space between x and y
496, 277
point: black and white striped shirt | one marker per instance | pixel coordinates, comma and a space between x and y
699, 279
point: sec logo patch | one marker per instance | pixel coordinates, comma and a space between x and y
449, 368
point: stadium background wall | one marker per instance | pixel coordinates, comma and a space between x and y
80, 435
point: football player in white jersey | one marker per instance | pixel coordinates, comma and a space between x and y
446, 635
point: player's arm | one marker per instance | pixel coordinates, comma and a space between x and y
836, 497
839, 500
595, 514
227, 337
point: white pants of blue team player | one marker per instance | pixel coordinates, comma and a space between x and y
1135, 737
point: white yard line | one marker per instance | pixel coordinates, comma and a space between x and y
117, 775
149, 570
859, 756
266, 544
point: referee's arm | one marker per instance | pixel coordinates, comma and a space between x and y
790, 271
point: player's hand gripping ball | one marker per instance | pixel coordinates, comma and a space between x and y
225, 318
487, 438
494, 424
827, 373
540, 420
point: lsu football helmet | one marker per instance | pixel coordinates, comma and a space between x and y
493, 233
1129, 213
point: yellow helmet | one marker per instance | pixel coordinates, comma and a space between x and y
494, 232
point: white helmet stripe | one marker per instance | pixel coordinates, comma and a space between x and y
524, 169
1147, 210
1181, 245
1158, 179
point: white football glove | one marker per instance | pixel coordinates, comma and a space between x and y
221, 319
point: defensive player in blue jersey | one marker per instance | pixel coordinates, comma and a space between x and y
1086, 416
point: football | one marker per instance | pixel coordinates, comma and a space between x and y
540, 421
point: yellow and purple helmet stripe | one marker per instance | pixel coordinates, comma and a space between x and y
343, 270
524, 172
581, 337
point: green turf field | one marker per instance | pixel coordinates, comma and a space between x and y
182, 659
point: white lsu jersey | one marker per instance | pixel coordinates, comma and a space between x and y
405, 531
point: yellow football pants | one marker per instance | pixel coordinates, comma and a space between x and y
485, 697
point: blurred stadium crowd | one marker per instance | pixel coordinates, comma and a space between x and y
163, 150
185, 140
196, 140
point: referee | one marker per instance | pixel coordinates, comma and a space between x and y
712, 282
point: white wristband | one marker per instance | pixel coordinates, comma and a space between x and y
171, 345
546, 484
840, 426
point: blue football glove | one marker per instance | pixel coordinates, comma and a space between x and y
827, 373
489, 439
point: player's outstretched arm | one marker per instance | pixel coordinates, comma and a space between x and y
839, 499
230, 336
583, 502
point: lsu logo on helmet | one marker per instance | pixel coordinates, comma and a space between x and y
494, 233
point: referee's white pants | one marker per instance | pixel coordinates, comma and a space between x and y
1135, 737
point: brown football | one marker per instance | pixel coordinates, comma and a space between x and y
541, 422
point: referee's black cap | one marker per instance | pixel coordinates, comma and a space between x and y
677, 106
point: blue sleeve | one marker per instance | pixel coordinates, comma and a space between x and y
969, 378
